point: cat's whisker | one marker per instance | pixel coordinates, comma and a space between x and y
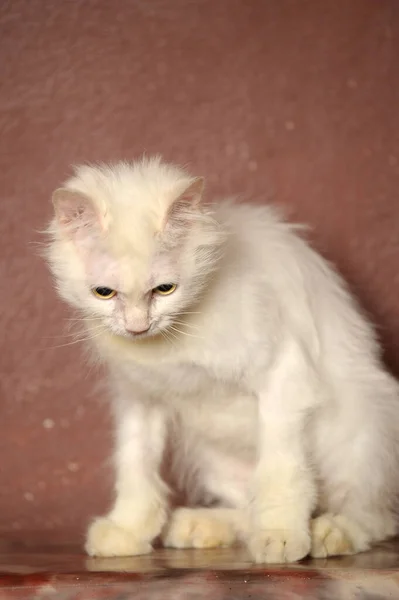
176, 322
63, 335
183, 332
38, 244
91, 329
77, 340
83, 319
172, 335
60, 336
166, 337
64, 345
76, 333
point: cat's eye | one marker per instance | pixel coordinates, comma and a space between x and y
165, 289
104, 293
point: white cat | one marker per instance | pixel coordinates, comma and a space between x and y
229, 340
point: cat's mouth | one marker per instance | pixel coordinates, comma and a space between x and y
154, 330
139, 335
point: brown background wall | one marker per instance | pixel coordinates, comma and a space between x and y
295, 100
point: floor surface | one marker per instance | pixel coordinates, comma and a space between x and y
66, 573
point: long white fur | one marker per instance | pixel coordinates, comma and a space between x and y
260, 370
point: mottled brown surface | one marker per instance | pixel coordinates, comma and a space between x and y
291, 99
225, 574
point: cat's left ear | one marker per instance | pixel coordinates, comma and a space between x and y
192, 195
184, 205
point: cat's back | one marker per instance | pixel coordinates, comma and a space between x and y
265, 252
277, 263
261, 230
249, 220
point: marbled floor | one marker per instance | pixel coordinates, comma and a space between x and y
66, 573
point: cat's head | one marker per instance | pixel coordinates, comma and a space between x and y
132, 246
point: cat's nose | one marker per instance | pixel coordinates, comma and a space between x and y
138, 331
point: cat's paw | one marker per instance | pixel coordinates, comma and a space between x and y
198, 528
334, 535
106, 538
279, 545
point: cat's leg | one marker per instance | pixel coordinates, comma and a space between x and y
283, 488
202, 528
140, 508
209, 476
359, 473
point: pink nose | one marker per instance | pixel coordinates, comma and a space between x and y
138, 331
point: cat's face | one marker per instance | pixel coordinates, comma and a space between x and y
132, 270
131, 301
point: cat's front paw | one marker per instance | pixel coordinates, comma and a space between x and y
198, 528
106, 538
279, 545
334, 535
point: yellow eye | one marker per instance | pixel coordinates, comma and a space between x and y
165, 289
104, 293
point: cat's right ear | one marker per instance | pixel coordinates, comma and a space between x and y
75, 212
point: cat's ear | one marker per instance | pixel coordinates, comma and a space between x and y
184, 206
75, 212
192, 194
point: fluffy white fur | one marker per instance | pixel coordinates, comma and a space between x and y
259, 371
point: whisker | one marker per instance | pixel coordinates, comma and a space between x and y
170, 333
78, 340
186, 324
83, 319
183, 332
166, 337
76, 333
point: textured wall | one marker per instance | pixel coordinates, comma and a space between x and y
295, 100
